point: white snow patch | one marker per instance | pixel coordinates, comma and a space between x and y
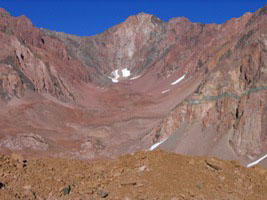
178, 80
154, 146
136, 77
115, 76
126, 72
165, 91
257, 161
114, 80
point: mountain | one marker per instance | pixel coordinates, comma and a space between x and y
200, 87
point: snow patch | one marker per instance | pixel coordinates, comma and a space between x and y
114, 80
178, 80
136, 77
154, 146
115, 75
165, 91
257, 161
126, 72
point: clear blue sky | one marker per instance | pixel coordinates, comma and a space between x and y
89, 17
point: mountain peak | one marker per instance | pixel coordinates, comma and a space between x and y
144, 18
3, 12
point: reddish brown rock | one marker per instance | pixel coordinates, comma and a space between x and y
203, 86
167, 176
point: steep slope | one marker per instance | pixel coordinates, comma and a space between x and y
226, 116
140, 82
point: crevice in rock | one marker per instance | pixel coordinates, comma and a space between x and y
42, 40
13, 63
243, 41
22, 56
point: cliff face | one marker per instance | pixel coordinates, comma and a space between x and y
203, 86
225, 106
229, 107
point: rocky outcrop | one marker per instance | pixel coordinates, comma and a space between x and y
231, 100
37, 59
134, 45
25, 141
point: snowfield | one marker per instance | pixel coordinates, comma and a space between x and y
125, 72
178, 80
136, 77
154, 146
257, 161
115, 75
165, 91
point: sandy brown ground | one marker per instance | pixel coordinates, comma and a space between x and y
144, 175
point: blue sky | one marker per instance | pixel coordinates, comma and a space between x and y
89, 17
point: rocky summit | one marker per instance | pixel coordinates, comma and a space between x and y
189, 88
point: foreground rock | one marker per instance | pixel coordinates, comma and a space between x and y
165, 176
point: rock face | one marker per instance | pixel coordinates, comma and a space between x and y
202, 86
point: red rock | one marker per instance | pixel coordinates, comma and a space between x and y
57, 86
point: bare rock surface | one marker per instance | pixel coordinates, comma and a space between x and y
165, 176
200, 86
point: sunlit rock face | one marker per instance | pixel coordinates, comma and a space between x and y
200, 88
132, 45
